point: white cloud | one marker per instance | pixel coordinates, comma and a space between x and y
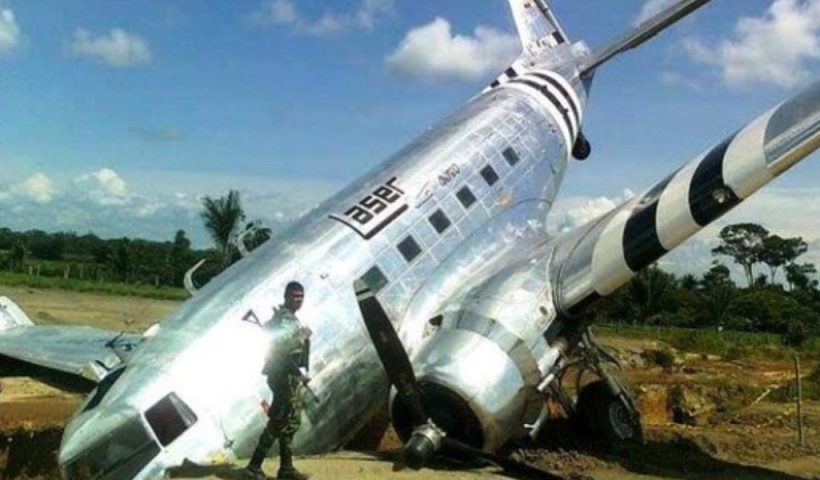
674, 79
652, 8
284, 13
9, 31
433, 53
37, 188
777, 48
571, 212
150, 205
277, 12
785, 212
104, 187
160, 134
118, 49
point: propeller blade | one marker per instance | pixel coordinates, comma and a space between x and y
391, 351
511, 467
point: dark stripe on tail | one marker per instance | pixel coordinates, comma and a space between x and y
549, 96
555, 83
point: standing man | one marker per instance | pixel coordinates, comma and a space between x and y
286, 365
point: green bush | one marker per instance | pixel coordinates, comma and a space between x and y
710, 341
662, 358
811, 389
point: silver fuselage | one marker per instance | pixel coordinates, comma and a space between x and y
210, 352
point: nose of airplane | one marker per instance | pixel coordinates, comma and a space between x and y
113, 444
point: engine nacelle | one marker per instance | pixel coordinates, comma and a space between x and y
478, 382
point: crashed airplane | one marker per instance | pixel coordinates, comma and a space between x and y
435, 268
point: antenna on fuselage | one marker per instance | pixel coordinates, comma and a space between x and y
112, 344
188, 280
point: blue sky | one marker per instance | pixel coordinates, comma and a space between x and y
118, 116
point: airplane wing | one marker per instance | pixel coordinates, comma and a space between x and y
597, 258
75, 351
643, 32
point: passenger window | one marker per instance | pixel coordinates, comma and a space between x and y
489, 175
409, 249
466, 197
510, 156
375, 279
169, 418
440, 221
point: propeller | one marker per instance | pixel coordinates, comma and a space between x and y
427, 440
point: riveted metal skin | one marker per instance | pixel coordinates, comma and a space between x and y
451, 228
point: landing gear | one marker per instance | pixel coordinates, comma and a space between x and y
582, 148
606, 415
604, 408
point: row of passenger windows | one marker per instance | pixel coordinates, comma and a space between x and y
410, 249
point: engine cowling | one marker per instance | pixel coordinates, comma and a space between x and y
478, 382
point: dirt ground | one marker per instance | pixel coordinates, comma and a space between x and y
704, 417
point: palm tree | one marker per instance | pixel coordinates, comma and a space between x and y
222, 217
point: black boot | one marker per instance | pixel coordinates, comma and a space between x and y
253, 473
254, 469
286, 469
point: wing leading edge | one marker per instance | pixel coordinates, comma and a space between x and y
597, 258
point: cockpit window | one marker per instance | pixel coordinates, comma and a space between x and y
120, 455
169, 418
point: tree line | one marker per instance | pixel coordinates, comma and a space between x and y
787, 305
782, 297
134, 261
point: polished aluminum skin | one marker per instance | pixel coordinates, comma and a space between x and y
450, 235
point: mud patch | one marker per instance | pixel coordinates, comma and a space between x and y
27, 455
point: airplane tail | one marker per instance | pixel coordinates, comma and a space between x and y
539, 31
537, 27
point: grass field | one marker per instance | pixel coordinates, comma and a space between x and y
92, 286
726, 343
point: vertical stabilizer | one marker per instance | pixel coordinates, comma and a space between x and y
537, 27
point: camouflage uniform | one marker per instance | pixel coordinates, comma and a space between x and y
288, 351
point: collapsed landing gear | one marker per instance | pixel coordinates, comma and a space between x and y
582, 148
606, 416
604, 408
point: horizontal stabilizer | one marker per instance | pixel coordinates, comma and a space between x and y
596, 259
643, 32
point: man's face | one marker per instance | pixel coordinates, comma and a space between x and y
294, 299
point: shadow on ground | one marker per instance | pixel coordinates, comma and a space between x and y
671, 455
192, 470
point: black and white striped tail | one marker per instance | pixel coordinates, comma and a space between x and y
600, 257
552, 91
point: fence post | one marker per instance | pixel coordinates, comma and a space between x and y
801, 440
